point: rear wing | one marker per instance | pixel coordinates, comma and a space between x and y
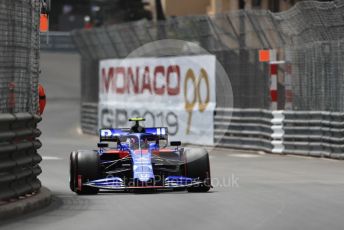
113, 135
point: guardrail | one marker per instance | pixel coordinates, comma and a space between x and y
306, 133
319, 134
243, 128
89, 118
18, 155
57, 41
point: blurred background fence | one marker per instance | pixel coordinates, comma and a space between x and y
220, 35
314, 44
308, 36
19, 55
19, 72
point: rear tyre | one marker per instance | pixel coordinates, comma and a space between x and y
198, 166
84, 167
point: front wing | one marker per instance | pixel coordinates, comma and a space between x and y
117, 184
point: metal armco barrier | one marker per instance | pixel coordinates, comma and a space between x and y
89, 118
318, 134
57, 41
243, 128
18, 155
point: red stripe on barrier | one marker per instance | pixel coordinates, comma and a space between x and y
273, 94
273, 69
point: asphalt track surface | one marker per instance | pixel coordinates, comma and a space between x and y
252, 190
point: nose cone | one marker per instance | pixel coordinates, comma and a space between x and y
142, 165
144, 172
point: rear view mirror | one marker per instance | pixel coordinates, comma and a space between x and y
176, 143
102, 145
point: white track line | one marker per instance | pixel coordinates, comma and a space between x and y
244, 155
49, 158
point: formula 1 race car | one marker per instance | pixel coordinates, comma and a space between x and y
139, 160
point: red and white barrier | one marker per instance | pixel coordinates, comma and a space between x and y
273, 86
273, 80
270, 56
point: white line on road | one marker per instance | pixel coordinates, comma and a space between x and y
243, 155
49, 158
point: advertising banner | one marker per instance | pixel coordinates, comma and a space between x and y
173, 92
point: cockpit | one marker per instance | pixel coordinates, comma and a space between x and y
143, 141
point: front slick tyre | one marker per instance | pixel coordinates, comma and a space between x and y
198, 166
84, 166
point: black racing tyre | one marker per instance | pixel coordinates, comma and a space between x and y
72, 172
197, 166
84, 164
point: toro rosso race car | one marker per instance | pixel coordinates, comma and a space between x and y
138, 160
